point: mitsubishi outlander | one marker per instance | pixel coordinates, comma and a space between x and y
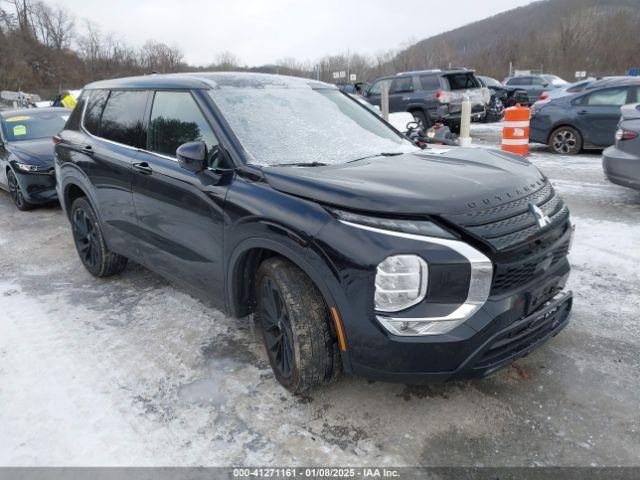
285, 199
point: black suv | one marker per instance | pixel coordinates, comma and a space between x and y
287, 199
432, 95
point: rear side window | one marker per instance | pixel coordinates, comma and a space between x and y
123, 117
93, 113
430, 82
76, 115
401, 85
608, 96
176, 119
462, 81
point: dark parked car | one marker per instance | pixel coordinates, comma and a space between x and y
285, 198
621, 162
535, 85
584, 120
509, 96
26, 154
432, 95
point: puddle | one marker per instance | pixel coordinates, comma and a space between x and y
214, 389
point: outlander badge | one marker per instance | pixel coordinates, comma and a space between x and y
542, 219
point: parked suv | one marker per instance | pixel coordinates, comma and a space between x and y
285, 198
536, 85
432, 95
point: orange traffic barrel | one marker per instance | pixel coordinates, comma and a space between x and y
515, 131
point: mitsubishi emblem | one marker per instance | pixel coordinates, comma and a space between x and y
542, 219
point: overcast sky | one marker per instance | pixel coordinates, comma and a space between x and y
264, 31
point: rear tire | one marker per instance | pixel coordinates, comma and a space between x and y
90, 245
16, 193
565, 141
296, 331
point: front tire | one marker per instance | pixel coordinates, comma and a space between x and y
296, 332
90, 244
16, 193
566, 141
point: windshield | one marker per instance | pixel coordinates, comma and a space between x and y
280, 125
555, 80
491, 82
31, 126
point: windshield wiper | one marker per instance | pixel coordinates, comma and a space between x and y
383, 154
300, 164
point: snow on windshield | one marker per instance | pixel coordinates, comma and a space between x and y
301, 125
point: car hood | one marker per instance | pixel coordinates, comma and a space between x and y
35, 152
435, 181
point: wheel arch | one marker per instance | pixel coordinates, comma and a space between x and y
242, 270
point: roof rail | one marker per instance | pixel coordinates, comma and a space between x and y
414, 72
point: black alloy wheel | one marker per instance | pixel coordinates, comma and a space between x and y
276, 326
84, 234
16, 192
295, 325
90, 244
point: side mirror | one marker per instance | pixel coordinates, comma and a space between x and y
412, 125
192, 156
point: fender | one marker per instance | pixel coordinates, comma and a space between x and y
305, 256
75, 176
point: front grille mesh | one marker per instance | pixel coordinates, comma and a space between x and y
524, 251
504, 226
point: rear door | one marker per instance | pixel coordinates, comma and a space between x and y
114, 121
400, 92
180, 213
598, 113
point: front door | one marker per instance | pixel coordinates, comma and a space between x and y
180, 213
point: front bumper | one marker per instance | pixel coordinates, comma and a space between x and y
518, 302
621, 168
495, 351
37, 187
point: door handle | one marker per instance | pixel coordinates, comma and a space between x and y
143, 167
87, 149
582, 112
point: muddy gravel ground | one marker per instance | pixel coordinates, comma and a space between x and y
134, 371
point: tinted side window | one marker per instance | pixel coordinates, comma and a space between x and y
76, 115
537, 81
608, 96
123, 117
461, 81
176, 119
93, 113
430, 82
400, 85
376, 88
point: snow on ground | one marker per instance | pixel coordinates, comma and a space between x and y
133, 371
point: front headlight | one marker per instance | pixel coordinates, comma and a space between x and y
401, 282
26, 167
418, 227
